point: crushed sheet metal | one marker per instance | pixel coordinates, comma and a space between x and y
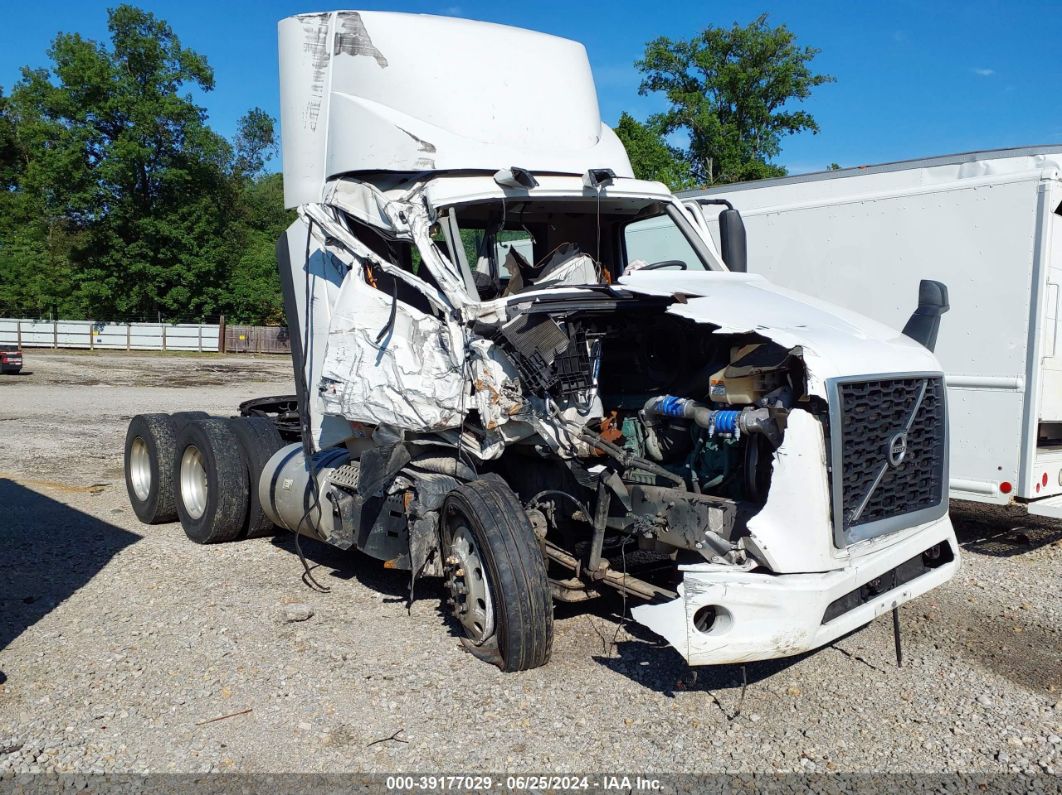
324, 227
415, 215
496, 384
360, 200
412, 377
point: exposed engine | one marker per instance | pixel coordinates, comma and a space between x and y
680, 422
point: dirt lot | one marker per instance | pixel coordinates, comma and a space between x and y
119, 642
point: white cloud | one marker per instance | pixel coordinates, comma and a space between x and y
983, 72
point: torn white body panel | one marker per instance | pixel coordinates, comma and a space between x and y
316, 277
388, 363
496, 385
763, 616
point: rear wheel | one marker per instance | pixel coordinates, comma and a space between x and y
182, 418
150, 445
259, 440
496, 576
212, 481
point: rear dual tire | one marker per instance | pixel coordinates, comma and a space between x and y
201, 470
259, 440
212, 490
150, 481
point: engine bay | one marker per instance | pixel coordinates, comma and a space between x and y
670, 429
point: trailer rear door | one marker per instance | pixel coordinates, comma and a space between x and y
1048, 460
1051, 393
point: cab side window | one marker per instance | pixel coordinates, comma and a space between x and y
657, 241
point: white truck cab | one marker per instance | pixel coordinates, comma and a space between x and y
503, 384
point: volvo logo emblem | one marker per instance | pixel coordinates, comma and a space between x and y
897, 449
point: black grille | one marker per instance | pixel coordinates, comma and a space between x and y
876, 425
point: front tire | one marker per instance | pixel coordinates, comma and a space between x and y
212, 486
496, 575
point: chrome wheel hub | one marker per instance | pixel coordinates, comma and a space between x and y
470, 594
193, 482
140, 468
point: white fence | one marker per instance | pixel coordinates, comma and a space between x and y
109, 336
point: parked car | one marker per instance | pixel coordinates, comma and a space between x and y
500, 386
10, 359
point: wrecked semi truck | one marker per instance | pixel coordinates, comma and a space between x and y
501, 386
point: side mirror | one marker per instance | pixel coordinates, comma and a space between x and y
925, 322
732, 240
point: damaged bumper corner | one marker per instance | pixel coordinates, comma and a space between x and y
726, 616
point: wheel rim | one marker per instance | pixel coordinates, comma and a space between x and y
140, 468
469, 586
193, 482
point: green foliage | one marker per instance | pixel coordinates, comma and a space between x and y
732, 92
651, 156
255, 143
254, 292
121, 201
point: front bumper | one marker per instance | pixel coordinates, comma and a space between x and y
763, 616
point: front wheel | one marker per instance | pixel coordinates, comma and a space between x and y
496, 576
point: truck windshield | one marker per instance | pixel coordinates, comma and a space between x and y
517, 245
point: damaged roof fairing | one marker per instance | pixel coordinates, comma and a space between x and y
380, 91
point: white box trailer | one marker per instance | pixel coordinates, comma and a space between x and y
988, 225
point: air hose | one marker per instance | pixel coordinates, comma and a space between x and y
730, 422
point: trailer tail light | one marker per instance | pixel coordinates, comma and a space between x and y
1005, 487
1043, 480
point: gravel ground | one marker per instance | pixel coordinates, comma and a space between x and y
128, 648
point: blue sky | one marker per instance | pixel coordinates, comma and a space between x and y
913, 78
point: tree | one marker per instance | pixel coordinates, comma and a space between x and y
128, 171
651, 157
11, 155
255, 143
731, 92
253, 294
